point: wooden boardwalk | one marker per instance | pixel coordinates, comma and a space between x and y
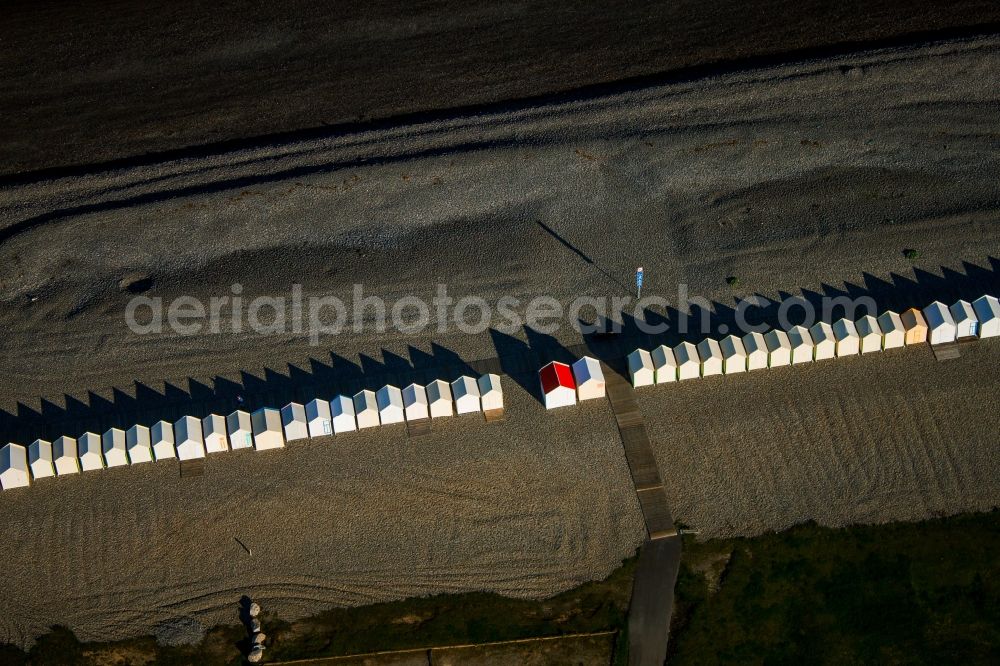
418, 428
191, 468
951, 350
660, 557
639, 453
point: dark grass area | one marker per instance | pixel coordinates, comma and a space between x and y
904, 593
411, 623
456, 619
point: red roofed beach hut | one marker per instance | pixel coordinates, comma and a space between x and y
558, 386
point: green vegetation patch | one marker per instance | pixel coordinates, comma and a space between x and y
455, 619
913, 593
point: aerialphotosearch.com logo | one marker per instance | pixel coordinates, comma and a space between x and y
319, 316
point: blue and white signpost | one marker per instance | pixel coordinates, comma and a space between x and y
638, 283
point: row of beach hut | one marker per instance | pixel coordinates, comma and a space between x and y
563, 384
191, 438
936, 324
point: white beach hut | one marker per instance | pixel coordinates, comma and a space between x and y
779, 348
664, 364
415, 403
869, 334
439, 399
710, 357
558, 385
966, 321
267, 429
734, 355
589, 378
161, 437
239, 428
893, 332
390, 405
14, 467
188, 439
801, 341
89, 447
940, 324
466, 395
366, 409
846, 335
40, 459
688, 362
915, 325
988, 313
213, 428
640, 368
319, 418
139, 444
293, 420
114, 448
65, 456
490, 392
755, 347
342, 414
824, 341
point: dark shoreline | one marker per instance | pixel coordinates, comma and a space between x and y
214, 100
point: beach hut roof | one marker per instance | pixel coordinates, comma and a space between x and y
414, 394
686, 353
317, 410
415, 402
389, 398
965, 317
987, 307
556, 375
65, 456
844, 328
14, 467
490, 391
890, 321
139, 444
267, 429
586, 370
754, 343
798, 336
114, 448
663, 357
777, 339
240, 430
40, 459
938, 316
732, 346
867, 326
709, 348
913, 318
988, 312
188, 439
558, 385
214, 430
439, 391
821, 331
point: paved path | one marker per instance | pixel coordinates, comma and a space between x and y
653, 601
660, 557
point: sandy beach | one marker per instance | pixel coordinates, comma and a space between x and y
805, 178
